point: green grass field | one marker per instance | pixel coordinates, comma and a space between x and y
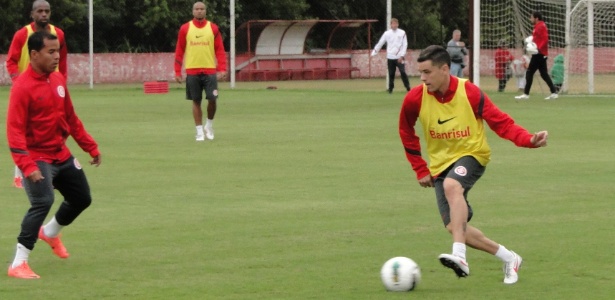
306, 192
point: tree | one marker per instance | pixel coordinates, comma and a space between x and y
152, 25
10, 22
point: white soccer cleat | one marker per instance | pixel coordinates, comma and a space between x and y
200, 137
512, 268
209, 133
458, 264
552, 96
522, 97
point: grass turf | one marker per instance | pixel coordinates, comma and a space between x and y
305, 193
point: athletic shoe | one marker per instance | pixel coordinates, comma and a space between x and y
17, 182
209, 133
55, 243
200, 137
22, 271
552, 96
512, 268
458, 264
522, 97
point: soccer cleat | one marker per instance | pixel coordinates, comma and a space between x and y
552, 96
55, 243
458, 264
512, 268
17, 182
522, 97
200, 137
22, 271
209, 133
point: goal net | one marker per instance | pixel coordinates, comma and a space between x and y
582, 31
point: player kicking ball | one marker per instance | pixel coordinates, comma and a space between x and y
452, 112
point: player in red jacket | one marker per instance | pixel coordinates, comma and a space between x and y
452, 112
540, 36
18, 58
40, 119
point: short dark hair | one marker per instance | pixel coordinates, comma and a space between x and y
537, 15
437, 54
36, 41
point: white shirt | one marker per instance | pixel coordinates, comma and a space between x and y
519, 65
397, 43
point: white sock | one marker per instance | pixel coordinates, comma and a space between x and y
52, 228
18, 173
504, 254
209, 123
459, 249
21, 255
199, 130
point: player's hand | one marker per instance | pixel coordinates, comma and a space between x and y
461, 44
36, 176
540, 139
96, 161
374, 53
426, 181
178, 79
221, 75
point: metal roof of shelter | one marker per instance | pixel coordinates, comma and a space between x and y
291, 37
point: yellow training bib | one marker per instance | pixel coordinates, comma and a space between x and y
452, 130
200, 53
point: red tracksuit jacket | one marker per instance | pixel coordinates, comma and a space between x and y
541, 37
40, 118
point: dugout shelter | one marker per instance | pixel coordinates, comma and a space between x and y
298, 49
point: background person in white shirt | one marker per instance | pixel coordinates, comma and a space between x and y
397, 45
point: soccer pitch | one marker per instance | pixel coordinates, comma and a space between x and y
305, 192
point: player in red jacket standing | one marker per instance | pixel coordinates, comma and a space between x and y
18, 57
538, 61
40, 119
201, 50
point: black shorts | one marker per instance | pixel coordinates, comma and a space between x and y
195, 84
467, 170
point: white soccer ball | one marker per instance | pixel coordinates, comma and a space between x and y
530, 46
400, 274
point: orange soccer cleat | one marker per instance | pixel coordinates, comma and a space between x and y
17, 182
22, 271
55, 243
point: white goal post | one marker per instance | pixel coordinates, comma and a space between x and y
582, 31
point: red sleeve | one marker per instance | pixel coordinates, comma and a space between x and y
16, 128
407, 119
219, 48
500, 122
12, 60
541, 37
62, 67
180, 48
77, 130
